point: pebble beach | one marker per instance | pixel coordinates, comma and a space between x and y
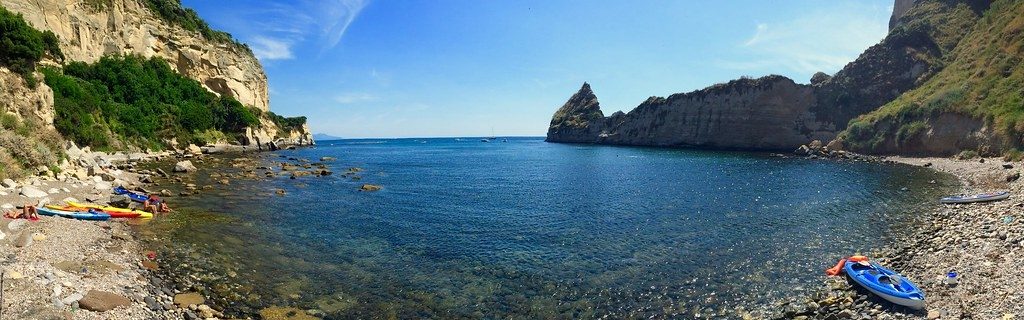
57, 268
981, 242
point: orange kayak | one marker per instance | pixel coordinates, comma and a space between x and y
112, 213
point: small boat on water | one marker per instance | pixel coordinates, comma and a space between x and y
983, 197
88, 215
885, 283
485, 140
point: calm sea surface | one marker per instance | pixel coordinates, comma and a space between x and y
528, 229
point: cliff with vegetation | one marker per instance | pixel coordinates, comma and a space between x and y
775, 113
126, 75
973, 105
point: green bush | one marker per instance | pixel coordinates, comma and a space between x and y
21, 46
287, 123
967, 154
130, 100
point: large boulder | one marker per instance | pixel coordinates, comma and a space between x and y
102, 301
120, 201
193, 149
32, 192
184, 166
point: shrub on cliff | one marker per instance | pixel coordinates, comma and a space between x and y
129, 100
172, 11
287, 123
22, 46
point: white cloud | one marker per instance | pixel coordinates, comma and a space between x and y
270, 49
338, 15
825, 40
355, 97
278, 31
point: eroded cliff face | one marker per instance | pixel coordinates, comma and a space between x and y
774, 113
127, 27
770, 113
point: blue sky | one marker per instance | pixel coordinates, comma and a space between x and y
363, 68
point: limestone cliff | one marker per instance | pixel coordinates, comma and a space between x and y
774, 113
128, 27
88, 30
767, 113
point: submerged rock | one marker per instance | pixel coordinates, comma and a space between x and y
187, 299
370, 187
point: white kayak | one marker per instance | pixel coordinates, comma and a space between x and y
983, 197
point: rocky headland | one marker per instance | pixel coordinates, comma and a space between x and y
776, 113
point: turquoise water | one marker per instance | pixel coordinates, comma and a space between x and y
525, 228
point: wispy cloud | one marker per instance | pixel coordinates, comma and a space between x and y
284, 30
270, 49
355, 97
339, 15
825, 40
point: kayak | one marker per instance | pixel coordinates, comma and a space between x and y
113, 214
109, 209
885, 283
135, 196
983, 197
90, 215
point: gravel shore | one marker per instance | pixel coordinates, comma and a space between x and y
57, 268
981, 242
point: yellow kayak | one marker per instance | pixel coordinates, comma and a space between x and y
114, 212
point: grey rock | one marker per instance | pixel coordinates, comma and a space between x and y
8, 183
152, 304
23, 240
74, 297
32, 192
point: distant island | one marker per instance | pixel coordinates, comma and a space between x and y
324, 136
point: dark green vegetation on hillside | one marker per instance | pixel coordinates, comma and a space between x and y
128, 100
287, 123
982, 82
172, 11
22, 46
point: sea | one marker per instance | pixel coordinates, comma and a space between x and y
523, 228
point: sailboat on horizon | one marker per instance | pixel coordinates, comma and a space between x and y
492, 137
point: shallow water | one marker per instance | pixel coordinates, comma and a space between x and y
532, 229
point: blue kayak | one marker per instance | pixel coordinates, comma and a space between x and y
983, 197
135, 196
885, 283
91, 215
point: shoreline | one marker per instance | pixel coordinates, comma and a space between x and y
980, 241
114, 254
74, 269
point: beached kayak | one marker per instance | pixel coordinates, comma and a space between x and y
885, 283
991, 196
89, 215
135, 196
109, 209
113, 214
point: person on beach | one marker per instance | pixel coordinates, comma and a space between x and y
155, 205
27, 212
